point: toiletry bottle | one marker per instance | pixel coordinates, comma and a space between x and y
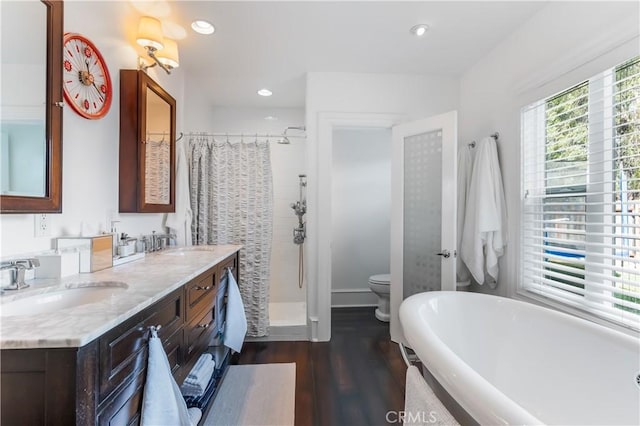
114, 237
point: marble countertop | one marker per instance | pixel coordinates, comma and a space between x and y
148, 280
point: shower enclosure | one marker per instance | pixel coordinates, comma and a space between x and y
287, 305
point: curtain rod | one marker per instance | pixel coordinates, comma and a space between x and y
249, 135
254, 135
495, 136
282, 138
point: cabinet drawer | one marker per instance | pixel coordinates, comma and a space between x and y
198, 333
125, 407
123, 350
174, 350
200, 294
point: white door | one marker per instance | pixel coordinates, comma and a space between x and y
423, 212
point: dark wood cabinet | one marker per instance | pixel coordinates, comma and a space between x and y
147, 145
123, 350
199, 293
103, 381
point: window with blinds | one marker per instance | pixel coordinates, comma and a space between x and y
580, 236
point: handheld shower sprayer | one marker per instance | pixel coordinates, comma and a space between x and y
300, 231
300, 209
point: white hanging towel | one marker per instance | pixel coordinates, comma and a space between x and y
236, 320
162, 401
180, 221
485, 225
464, 181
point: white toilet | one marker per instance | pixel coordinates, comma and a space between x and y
379, 284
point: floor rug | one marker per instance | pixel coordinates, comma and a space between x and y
255, 395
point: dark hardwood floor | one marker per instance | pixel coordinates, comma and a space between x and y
354, 379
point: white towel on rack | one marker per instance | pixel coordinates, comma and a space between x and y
162, 402
196, 382
485, 225
180, 221
464, 182
236, 321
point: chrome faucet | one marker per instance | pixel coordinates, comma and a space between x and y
18, 268
156, 242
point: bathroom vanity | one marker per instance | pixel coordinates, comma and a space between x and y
86, 364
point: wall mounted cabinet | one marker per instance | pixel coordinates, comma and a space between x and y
147, 145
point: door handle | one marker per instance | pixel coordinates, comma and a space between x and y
445, 253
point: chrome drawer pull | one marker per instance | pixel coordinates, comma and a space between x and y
203, 325
142, 328
203, 288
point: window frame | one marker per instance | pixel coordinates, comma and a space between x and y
601, 141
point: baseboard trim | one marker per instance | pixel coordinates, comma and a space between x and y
350, 290
360, 305
353, 297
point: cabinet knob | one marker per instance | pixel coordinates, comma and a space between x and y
203, 325
203, 288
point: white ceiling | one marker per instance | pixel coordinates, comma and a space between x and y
273, 44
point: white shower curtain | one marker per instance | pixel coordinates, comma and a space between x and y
232, 203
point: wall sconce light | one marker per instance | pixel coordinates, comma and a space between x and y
163, 51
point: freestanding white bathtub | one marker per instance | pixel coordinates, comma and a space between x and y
511, 362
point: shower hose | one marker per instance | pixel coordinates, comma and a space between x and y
301, 266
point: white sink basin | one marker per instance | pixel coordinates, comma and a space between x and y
74, 295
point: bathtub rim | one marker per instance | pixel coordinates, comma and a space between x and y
448, 369
489, 405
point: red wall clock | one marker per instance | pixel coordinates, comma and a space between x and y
86, 80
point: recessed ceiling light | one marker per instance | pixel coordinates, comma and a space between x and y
202, 27
270, 118
419, 30
265, 92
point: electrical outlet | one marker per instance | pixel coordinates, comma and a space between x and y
42, 225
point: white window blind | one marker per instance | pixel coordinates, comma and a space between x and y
580, 236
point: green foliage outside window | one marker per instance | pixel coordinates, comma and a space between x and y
566, 157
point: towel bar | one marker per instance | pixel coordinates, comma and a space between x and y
405, 356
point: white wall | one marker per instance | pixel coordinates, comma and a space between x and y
361, 212
561, 45
287, 161
90, 147
371, 97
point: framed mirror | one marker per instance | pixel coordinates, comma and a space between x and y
147, 145
31, 107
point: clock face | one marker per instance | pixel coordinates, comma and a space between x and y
86, 80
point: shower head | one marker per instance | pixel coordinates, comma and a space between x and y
285, 140
301, 128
